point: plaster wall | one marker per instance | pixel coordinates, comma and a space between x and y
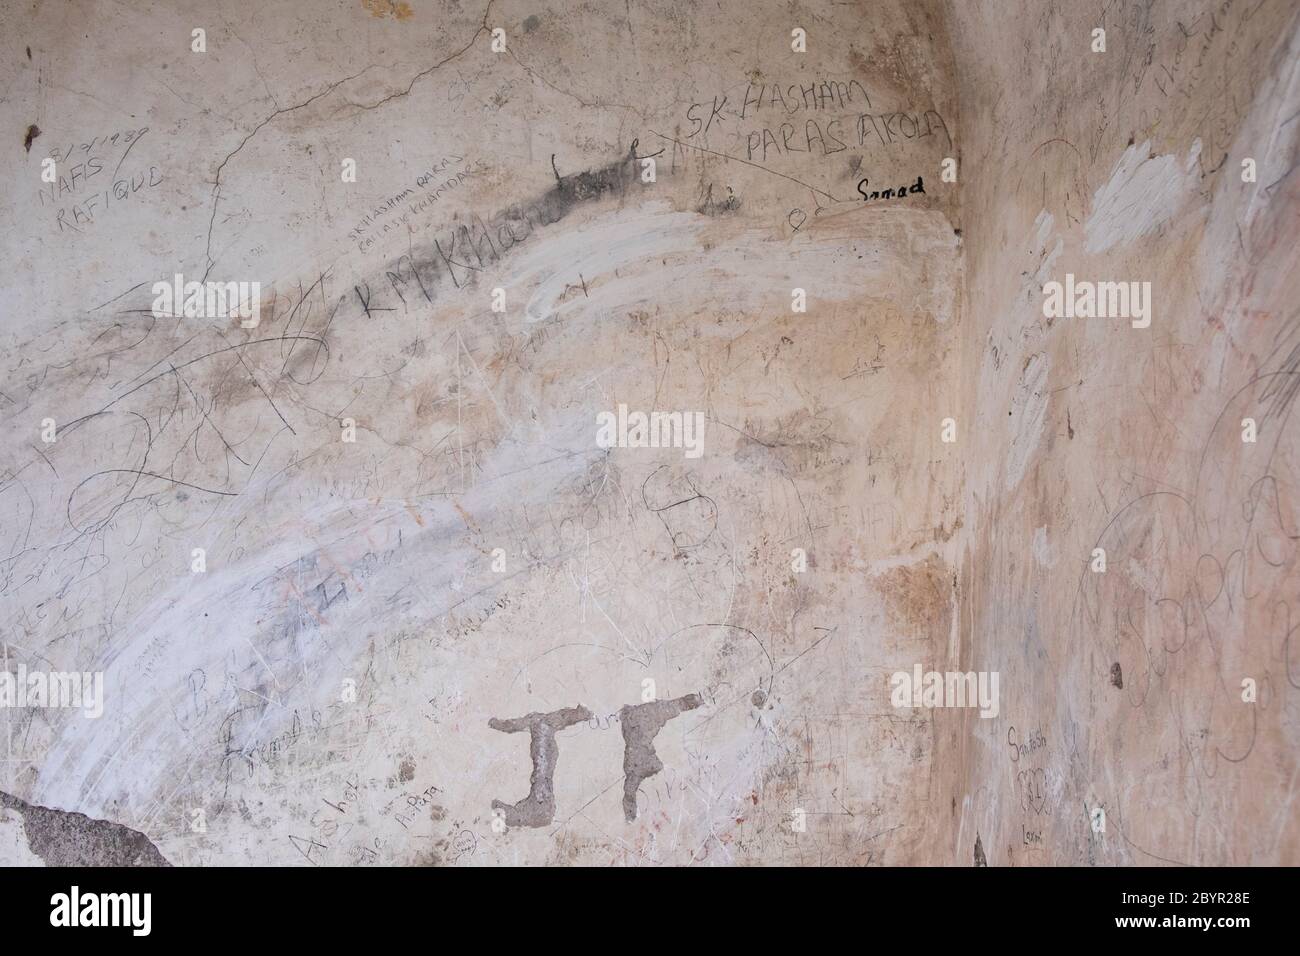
358, 576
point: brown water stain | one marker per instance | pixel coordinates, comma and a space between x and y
384, 8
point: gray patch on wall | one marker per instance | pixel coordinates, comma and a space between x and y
641, 722
64, 838
538, 808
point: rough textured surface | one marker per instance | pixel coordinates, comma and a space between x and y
332, 685
1124, 688
538, 808
74, 839
641, 724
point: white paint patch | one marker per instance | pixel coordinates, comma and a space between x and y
13, 841
620, 241
1143, 193
1044, 224
1044, 556
1028, 415
622, 259
278, 656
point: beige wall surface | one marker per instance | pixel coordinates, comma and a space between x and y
1124, 690
355, 576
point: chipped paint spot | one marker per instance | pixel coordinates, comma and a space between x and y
1143, 193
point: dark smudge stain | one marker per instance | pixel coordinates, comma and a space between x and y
32, 132
590, 184
63, 838
1116, 676
710, 206
427, 269
980, 859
